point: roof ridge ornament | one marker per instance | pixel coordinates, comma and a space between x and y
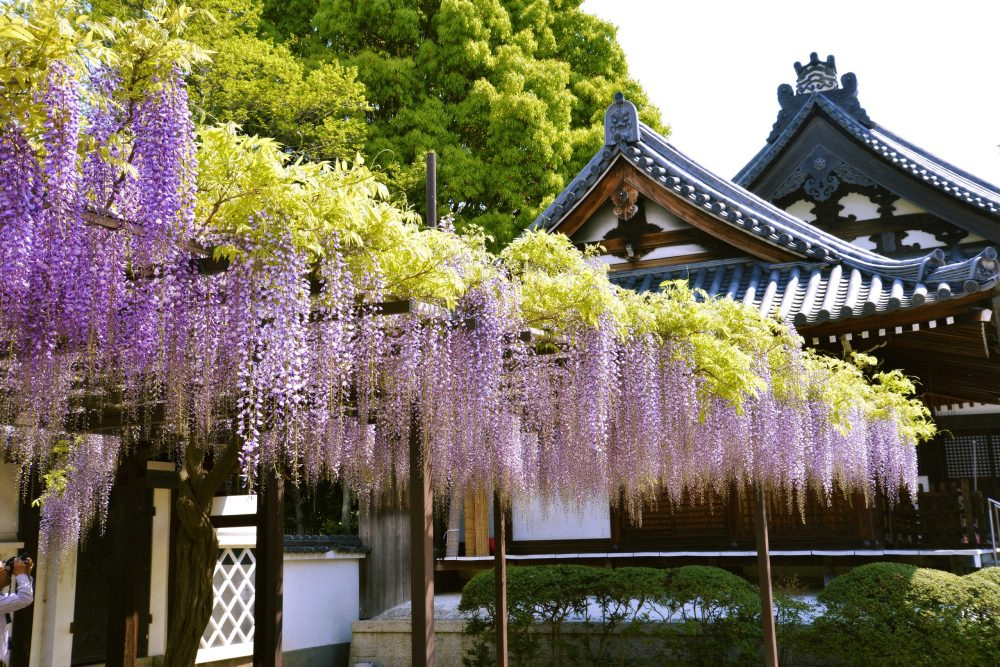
818, 78
816, 75
621, 122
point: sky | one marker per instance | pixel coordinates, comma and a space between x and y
927, 71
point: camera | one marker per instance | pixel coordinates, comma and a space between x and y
9, 563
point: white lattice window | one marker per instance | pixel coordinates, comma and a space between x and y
230, 629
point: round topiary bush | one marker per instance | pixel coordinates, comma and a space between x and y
717, 617
896, 614
983, 613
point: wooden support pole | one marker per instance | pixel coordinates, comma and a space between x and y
421, 554
500, 579
431, 162
129, 516
269, 582
764, 581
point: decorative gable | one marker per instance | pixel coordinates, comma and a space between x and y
824, 153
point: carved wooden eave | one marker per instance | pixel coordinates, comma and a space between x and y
621, 174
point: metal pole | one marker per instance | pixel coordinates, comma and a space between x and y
992, 506
975, 468
764, 581
500, 579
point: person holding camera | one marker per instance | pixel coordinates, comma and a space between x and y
15, 575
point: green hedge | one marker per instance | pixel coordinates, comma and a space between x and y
715, 613
895, 614
878, 614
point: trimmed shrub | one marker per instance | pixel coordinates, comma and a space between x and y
983, 613
623, 596
988, 574
717, 617
792, 617
542, 596
895, 614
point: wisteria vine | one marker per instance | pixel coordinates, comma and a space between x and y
528, 373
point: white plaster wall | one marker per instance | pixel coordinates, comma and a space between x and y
321, 599
55, 597
538, 520
9, 501
675, 251
159, 571
662, 218
802, 209
905, 207
923, 239
860, 206
600, 223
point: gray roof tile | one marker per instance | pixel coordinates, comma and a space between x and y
324, 543
833, 281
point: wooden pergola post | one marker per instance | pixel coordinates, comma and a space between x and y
500, 579
764, 580
129, 516
421, 554
269, 581
421, 507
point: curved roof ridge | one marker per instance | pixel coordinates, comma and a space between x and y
650, 153
714, 185
841, 105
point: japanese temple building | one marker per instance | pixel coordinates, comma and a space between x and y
861, 240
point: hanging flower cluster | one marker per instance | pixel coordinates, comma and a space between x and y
343, 334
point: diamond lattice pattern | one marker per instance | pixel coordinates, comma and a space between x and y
232, 613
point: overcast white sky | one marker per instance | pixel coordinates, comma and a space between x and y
928, 71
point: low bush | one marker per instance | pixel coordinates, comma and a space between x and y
983, 613
713, 614
895, 614
716, 616
878, 614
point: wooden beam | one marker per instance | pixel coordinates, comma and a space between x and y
676, 260
500, 579
269, 582
646, 242
421, 553
965, 309
764, 580
700, 218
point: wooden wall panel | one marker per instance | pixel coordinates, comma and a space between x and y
477, 524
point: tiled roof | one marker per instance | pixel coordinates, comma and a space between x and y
813, 293
304, 544
627, 138
833, 281
841, 106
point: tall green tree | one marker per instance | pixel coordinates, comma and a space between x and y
314, 108
510, 93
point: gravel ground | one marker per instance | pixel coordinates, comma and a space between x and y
446, 609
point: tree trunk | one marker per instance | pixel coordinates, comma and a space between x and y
196, 552
345, 508
296, 497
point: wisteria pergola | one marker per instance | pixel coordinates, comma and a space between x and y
527, 373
